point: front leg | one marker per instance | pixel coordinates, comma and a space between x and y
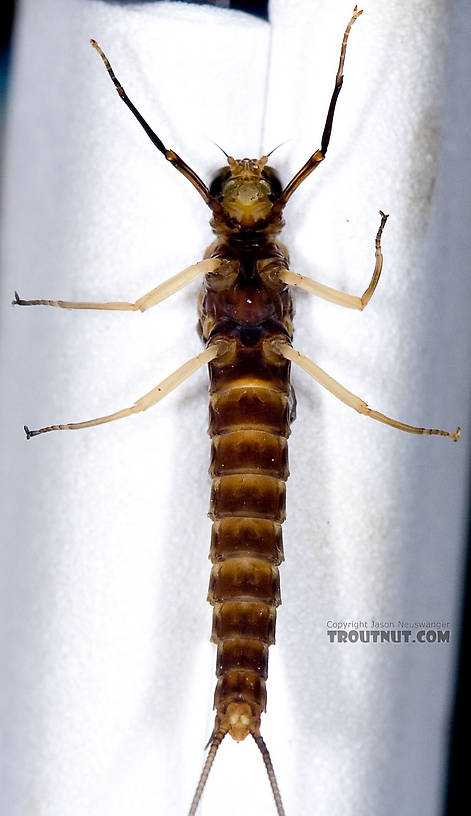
162, 291
319, 155
334, 295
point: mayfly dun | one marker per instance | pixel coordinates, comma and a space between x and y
246, 315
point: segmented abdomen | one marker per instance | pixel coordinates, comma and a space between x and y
250, 412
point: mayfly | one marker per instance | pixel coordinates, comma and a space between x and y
245, 321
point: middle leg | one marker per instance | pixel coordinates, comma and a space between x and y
162, 291
334, 295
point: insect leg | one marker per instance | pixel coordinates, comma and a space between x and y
170, 155
334, 295
319, 155
162, 291
346, 396
216, 349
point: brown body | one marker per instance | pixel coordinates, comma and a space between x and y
246, 313
251, 408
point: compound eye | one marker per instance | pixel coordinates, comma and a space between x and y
274, 182
215, 189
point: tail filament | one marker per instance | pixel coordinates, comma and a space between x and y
271, 774
215, 743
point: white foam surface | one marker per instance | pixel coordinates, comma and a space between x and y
107, 670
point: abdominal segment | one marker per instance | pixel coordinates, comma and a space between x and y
249, 425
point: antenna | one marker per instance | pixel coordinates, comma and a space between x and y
276, 148
221, 149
